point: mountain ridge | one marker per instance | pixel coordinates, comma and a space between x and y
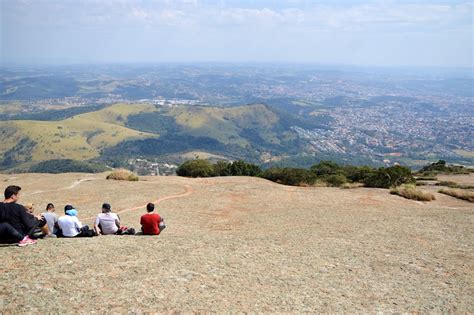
119, 130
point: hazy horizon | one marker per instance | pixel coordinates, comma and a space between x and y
335, 33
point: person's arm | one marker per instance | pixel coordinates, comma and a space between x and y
28, 221
162, 224
78, 224
96, 226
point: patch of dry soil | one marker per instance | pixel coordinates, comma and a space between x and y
243, 244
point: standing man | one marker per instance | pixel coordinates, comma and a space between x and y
16, 224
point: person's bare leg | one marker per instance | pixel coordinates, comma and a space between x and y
45, 230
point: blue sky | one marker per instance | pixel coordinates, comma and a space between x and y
382, 33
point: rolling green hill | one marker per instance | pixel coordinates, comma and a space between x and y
254, 132
80, 137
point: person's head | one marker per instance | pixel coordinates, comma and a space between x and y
12, 192
106, 208
30, 207
50, 207
70, 210
67, 208
150, 207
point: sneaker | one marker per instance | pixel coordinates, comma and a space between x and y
50, 236
26, 241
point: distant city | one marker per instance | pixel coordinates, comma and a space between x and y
384, 116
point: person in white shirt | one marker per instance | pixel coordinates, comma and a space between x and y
70, 225
106, 222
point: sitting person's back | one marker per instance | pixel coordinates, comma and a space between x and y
150, 221
51, 218
106, 222
69, 223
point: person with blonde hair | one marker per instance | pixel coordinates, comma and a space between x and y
42, 230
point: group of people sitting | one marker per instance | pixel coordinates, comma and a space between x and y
19, 224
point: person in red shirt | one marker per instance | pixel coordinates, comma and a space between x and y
152, 223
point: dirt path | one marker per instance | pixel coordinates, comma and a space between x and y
188, 191
72, 186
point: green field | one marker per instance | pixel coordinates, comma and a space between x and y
85, 136
80, 137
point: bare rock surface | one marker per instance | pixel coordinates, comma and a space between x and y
243, 244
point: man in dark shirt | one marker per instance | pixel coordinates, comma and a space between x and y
13, 215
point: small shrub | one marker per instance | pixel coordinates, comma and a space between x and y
410, 192
325, 168
196, 168
336, 180
290, 176
358, 173
123, 175
442, 167
392, 176
222, 168
241, 168
457, 193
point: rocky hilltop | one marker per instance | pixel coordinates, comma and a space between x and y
243, 244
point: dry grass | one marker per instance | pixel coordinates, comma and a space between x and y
426, 178
458, 193
452, 184
320, 183
410, 192
460, 179
422, 183
123, 175
352, 185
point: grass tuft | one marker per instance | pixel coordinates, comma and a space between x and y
352, 185
426, 178
452, 184
410, 192
123, 175
458, 193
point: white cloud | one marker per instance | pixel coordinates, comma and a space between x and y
390, 15
221, 28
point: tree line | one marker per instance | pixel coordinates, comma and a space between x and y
327, 172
